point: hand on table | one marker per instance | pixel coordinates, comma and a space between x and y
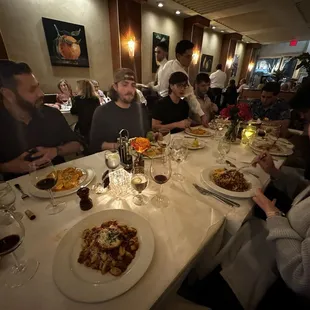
265, 160
204, 121
18, 164
264, 203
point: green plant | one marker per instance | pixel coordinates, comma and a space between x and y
278, 75
304, 59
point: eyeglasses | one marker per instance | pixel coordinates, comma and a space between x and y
182, 85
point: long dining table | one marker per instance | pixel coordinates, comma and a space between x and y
181, 232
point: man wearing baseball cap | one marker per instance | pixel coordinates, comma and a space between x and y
123, 112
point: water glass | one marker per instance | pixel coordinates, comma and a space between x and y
179, 153
7, 199
223, 149
112, 159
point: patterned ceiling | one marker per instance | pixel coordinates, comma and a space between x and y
263, 21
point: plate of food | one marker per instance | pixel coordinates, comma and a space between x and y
103, 256
230, 182
282, 141
154, 151
194, 144
69, 180
272, 146
198, 132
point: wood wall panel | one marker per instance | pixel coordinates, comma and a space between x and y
249, 56
3, 53
130, 25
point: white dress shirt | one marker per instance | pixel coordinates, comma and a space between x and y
218, 79
158, 73
163, 84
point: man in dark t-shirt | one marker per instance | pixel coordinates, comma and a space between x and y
26, 124
171, 112
123, 112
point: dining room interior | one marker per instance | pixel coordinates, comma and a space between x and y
154, 154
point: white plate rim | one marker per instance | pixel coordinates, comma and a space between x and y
188, 132
286, 151
248, 194
66, 280
44, 194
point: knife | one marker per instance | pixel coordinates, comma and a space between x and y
24, 196
204, 191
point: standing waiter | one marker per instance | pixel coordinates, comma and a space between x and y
218, 79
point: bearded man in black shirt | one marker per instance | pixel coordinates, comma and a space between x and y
30, 131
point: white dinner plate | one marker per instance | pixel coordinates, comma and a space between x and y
84, 284
207, 134
189, 144
283, 150
88, 176
255, 183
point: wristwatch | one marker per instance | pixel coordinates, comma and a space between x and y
275, 213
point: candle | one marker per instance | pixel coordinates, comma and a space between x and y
248, 134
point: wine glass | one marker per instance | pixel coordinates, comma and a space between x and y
160, 173
45, 178
223, 149
178, 153
139, 182
112, 159
7, 199
12, 234
219, 124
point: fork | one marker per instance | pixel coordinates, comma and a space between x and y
227, 201
24, 196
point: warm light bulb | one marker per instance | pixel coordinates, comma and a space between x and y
213, 27
229, 62
222, 31
195, 57
250, 66
160, 4
177, 12
131, 47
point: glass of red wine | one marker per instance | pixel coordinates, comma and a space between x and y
12, 234
161, 173
45, 179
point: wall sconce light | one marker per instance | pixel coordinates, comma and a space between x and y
229, 62
131, 47
251, 66
195, 57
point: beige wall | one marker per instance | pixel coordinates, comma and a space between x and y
240, 50
156, 20
211, 45
23, 35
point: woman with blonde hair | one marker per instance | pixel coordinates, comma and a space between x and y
65, 91
84, 106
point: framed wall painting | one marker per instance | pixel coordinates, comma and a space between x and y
66, 43
206, 63
234, 66
157, 38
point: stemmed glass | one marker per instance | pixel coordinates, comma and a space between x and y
178, 153
7, 199
223, 149
219, 123
45, 178
12, 233
161, 173
139, 182
112, 159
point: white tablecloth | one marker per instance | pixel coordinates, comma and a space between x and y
181, 231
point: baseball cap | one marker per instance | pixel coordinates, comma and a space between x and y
124, 74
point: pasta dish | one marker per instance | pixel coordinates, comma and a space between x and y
110, 247
67, 179
231, 180
198, 131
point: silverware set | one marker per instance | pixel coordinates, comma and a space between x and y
24, 195
218, 197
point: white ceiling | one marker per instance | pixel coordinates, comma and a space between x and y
262, 21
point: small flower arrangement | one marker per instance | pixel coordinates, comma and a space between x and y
140, 145
236, 113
